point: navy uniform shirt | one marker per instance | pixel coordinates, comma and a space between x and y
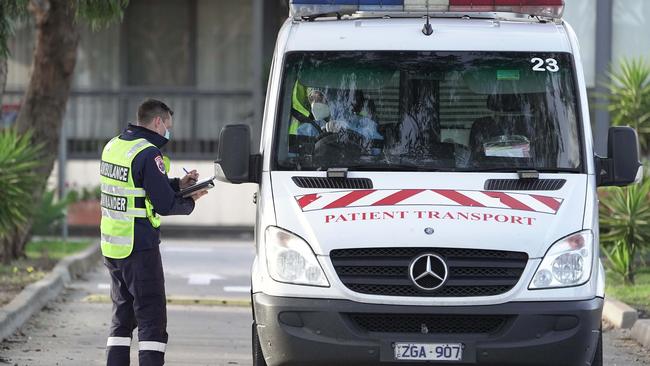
149, 173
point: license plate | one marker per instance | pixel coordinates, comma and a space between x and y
429, 351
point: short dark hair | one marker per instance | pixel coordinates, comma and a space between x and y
152, 108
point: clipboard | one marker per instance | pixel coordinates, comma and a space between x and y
199, 186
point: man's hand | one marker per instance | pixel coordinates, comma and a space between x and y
199, 194
334, 126
189, 180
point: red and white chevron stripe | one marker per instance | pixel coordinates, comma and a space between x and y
429, 197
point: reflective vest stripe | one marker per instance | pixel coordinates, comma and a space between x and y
120, 216
118, 341
116, 240
124, 216
137, 212
107, 188
152, 346
137, 147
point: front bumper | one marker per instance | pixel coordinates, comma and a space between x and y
298, 331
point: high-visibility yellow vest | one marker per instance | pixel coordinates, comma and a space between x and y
300, 113
119, 195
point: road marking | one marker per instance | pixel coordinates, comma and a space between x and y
179, 300
202, 279
104, 286
237, 289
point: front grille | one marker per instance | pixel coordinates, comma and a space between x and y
429, 323
472, 272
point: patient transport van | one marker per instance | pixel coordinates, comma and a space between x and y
427, 187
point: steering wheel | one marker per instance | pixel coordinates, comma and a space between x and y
344, 136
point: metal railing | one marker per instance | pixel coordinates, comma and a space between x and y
95, 116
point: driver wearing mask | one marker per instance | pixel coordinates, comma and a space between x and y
320, 109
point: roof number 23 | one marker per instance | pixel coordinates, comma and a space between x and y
550, 64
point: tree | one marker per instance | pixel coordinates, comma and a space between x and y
55, 55
629, 98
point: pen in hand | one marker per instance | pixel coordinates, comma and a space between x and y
192, 179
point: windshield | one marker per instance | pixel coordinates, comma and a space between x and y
449, 111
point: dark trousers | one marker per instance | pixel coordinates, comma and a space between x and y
138, 294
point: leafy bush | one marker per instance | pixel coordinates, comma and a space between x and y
629, 99
619, 259
49, 216
18, 159
625, 226
91, 193
51, 213
76, 194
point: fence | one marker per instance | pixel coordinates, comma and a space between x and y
95, 116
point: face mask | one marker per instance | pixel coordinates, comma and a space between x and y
321, 111
168, 134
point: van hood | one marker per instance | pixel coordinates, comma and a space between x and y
422, 209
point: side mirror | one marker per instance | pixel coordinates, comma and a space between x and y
621, 167
234, 163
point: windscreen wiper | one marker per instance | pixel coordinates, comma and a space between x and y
390, 167
520, 170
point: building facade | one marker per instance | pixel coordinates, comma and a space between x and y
203, 57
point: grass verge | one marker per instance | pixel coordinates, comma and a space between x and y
41, 257
637, 296
53, 249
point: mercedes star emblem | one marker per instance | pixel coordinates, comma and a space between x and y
428, 272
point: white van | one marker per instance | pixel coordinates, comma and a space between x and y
427, 187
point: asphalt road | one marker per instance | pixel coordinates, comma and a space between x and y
72, 331
208, 269
204, 270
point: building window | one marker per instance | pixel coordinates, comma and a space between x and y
159, 43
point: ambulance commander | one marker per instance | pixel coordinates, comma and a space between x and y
135, 191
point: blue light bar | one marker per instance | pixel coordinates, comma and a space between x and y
306, 8
387, 5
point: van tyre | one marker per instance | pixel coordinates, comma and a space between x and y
258, 357
598, 357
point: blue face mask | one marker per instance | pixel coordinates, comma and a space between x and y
168, 135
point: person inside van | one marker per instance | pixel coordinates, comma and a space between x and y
358, 120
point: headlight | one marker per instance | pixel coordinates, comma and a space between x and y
567, 263
291, 260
